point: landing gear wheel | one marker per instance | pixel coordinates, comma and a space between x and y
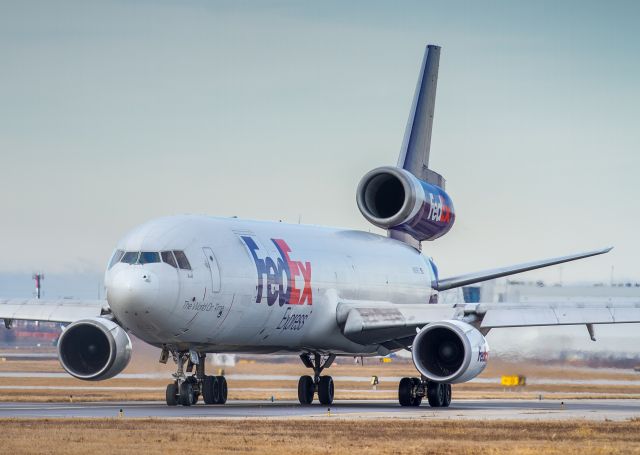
186, 394
417, 399
208, 390
405, 397
215, 390
307, 386
305, 389
436, 394
196, 389
222, 387
447, 395
325, 390
172, 394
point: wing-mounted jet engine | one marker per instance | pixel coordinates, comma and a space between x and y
450, 351
409, 200
94, 349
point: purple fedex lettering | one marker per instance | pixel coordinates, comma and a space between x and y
281, 275
260, 264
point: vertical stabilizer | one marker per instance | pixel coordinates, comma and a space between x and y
414, 154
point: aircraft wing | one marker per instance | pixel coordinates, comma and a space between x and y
498, 315
395, 325
463, 280
61, 310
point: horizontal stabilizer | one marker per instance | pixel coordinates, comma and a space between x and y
463, 280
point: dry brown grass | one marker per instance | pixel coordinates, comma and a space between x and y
321, 435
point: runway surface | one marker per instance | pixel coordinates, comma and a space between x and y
338, 378
460, 409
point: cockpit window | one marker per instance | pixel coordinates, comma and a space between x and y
168, 258
116, 258
130, 257
147, 257
182, 260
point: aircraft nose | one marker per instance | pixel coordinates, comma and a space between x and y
132, 290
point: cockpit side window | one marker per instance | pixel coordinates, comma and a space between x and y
168, 258
130, 257
115, 258
182, 260
147, 257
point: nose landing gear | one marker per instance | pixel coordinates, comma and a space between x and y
186, 390
323, 385
411, 391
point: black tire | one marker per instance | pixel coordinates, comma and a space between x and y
405, 397
447, 395
305, 390
417, 400
435, 394
172, 394
207, 390
222, 390
325, 390
186, 394
216, 390
196, 389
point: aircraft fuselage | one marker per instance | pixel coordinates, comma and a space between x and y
257, 286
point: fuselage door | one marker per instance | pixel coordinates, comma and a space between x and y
212, 264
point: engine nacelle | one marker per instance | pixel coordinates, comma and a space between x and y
450, 351
393, 198
94, 349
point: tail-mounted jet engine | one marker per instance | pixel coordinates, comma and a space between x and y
450, 352
94, 349
393, 198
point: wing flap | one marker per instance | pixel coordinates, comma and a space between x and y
378, 322
61, 310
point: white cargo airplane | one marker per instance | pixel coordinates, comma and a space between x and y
192, 285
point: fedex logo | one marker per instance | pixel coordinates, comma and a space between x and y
483, 356
438, 210
281, 275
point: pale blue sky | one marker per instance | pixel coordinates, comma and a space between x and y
115, 112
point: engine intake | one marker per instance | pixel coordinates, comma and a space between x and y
393, 198
94, 349
450, 351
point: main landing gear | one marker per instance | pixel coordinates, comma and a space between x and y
186, 390
323, 385
412, 390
